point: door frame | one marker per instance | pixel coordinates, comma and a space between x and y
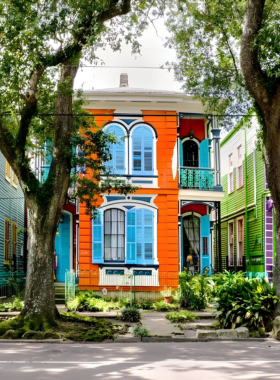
182, 243
71, 237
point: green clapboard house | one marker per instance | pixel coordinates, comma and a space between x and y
12, 219
247, 216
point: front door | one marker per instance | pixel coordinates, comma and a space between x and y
62, 247
191, 243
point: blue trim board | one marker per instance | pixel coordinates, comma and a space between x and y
128, 121
128, 266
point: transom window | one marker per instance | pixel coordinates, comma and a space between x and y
114, 235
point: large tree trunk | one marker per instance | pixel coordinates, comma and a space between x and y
268, 104
44, 214
39, 294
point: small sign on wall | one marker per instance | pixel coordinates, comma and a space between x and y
104, 292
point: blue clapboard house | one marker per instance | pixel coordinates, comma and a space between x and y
12, 233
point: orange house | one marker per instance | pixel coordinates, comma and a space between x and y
164, 147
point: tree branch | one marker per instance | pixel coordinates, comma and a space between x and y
115, 8
250, 67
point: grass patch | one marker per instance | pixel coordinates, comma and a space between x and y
181, 316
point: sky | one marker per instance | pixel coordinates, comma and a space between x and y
153, 53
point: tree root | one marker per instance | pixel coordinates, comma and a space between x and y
69, 326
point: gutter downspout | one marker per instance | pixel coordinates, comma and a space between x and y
246, 198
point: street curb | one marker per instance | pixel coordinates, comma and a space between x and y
174, 340
140, 340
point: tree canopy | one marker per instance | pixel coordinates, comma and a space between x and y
207, 36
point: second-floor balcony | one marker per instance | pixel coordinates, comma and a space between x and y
196, 178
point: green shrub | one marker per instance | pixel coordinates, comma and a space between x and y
194, 291
219, 279
243, 302
181, 316
89, 301
140, 331
16, 305
162, 306
130, 314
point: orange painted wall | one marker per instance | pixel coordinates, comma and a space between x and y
166, 201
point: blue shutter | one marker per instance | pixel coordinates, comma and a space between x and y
142, 151
117, 164
119, 152
204, 161
147, 138
97, 238
181, 153
131, 237
137, 151
148, 236
205, 243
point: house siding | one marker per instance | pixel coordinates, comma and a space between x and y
12, 206
167, 250
233, 205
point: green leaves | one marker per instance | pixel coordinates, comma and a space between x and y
245, 302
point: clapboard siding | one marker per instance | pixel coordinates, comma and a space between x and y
233, 205
12, 207
166, 200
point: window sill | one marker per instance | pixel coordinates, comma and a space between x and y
240, 187
8, 179
14, 186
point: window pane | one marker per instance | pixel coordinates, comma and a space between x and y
114, 236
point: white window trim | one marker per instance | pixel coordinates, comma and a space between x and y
231, 222
132, 130
125, 144
237, 237
137, 206
198, 144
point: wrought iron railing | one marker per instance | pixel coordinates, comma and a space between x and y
196, 178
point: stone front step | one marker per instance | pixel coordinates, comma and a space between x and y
200, 325
59, 301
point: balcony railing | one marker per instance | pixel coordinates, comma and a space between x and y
196, 178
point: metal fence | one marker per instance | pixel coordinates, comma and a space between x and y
70, 285
12, 284
258, 275
144, 284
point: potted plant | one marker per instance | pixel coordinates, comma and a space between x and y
167, 294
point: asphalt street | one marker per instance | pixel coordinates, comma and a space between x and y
141, 361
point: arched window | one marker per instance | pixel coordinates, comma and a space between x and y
142, 150
114, 235
190, 154
117, 164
